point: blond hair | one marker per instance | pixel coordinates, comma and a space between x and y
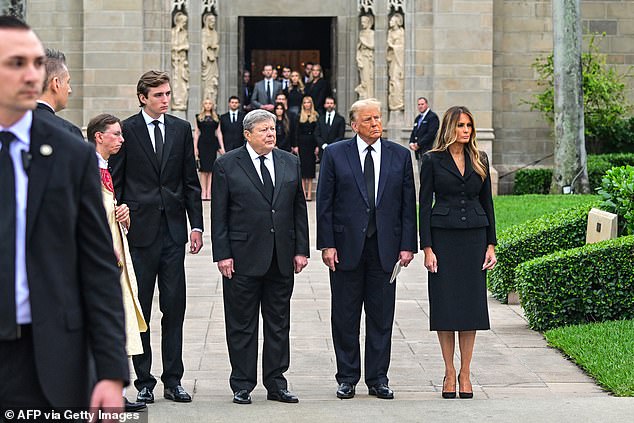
201, 116
310, 116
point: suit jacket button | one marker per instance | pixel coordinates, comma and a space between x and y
273, 211
462, 193
463, 218
463, 210
367, 210
462, 201
272, 230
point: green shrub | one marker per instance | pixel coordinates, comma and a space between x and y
537, 181
617, 194
532, 181
592, 283
557, 231
616, 136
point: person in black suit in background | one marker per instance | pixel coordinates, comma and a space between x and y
265, 90
258, 206
317, 88
154, 173
56, 91
331, 126
246, 91
231, 125
366, 223
458, 237
60, 298
425, 129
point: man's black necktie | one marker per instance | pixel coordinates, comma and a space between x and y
266, 178
368, 172
329, 119
158, 142
269, 95
8, 325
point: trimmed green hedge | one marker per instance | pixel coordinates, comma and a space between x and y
537, 181
592, 283
557, 231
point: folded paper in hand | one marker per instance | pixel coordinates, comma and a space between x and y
396, 271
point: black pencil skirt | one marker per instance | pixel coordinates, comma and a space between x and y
458, 292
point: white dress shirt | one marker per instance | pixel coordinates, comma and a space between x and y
150, 126
268, 162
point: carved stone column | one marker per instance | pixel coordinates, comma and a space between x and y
210, 46
15, 8
395, 57
179, 53
365, 50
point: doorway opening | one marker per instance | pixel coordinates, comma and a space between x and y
287, 41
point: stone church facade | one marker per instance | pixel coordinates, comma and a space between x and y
476, 53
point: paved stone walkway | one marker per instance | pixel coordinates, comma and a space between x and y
516, 376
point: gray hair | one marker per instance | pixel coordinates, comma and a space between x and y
256, 116
55, 66
362, 104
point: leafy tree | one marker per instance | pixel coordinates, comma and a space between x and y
605, 104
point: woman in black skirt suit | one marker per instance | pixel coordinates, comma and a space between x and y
282, 128
207, 144
458, 237
304, 133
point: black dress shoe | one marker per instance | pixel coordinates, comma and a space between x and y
145, 395
282, 396
381, 390
177, 393
133, 406
345, 390
242, 397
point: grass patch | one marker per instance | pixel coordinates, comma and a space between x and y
511, 210
603, 350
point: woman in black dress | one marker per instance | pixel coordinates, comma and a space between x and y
458, 237
282, 128
207, 144
318, 88
295, 93
306, 144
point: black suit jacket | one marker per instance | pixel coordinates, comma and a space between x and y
425, 133
150, 188
343, 208
461, 202
73, 279
45, 112
327, 134
232, 133
246, 226
318, 90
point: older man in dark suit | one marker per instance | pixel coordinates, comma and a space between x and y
259, 238
59, 298
154, 173
231, 125
366, 223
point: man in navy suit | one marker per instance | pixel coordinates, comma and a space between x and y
231, 125
154, 173
425, 128
366, 223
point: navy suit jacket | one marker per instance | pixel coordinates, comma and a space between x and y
343, 207
425, 133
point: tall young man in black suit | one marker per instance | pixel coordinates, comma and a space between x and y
59, 298
154, 173
331, 126
259, 238
231, 125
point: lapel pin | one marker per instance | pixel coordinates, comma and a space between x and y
46, 150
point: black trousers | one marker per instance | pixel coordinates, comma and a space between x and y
166, 259
20, 386
243, 297
367, 286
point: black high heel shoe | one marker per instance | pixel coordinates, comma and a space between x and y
447, 394
465, 395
